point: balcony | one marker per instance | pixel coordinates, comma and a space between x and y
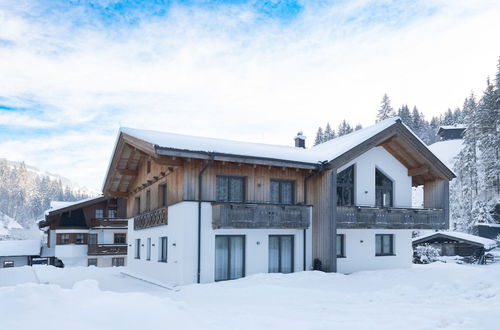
391, 218
106, 249
107, 222
251, 216
158, 217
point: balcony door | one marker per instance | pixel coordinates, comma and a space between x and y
383, 190
281, 254
229, 257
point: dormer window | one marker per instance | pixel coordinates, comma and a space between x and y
383, 190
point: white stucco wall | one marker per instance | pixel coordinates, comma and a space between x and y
181, 231
364, 177
360, 250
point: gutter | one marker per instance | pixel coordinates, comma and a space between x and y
200, 185
322, 166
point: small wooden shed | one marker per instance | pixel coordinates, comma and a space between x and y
452, 243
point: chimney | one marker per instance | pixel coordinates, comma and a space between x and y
300, 140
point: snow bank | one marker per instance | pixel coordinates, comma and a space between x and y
423, 297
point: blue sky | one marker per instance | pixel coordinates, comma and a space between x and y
73, 72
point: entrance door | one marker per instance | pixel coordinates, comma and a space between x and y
281, 254
229, 257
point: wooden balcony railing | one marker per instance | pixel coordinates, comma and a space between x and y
106, 249
158, 217
107, 222
242, 215
394, 218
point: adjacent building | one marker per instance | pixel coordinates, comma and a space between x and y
18, 253
203, 210
90, 232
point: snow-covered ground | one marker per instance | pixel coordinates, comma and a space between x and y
438, 295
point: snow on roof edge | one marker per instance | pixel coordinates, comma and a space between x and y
486, 242
13, 248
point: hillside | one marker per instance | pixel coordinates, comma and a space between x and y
26, 192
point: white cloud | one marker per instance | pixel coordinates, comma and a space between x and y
231, 74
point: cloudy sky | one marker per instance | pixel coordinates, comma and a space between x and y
73, 72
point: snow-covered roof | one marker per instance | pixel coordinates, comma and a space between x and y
494, 225
457, 126
58, 205
447, 151
323, 152
29, 247
486, 242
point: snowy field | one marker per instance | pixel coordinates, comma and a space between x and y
436, 296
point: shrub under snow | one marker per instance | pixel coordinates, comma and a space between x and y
426, 254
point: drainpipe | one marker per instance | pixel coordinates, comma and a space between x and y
200, 176
320, 169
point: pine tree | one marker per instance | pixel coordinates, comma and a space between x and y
405, 115
329, 133
319, 136
358, 127
344, 128
488, 125
386, 110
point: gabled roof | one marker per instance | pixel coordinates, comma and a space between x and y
13, 248
486, 243
390, 133
450, 127
60, 207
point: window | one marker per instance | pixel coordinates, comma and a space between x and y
383, 190
230, 188
162, 195
137, 205
345, 187
162, 255
148, 166
340, 246
148, 200
120, 238
148, 248
138, 248
64, 238
99, 214
111, 214
282, 191
384, 245
79, 239
229, 257
92, 262
8, 263
281, 254
117, 262
92, 239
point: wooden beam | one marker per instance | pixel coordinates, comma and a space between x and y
121, 194
418, 171
171, 161
125, 171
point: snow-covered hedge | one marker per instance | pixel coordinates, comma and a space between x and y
426, 253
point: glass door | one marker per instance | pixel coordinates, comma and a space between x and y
281, 254
229, 257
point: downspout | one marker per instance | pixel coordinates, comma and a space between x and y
200, 176
320, 169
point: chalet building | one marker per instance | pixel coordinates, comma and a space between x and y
91, 232
204, 210
451, 132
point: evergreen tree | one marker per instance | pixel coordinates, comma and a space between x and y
358, 127
488, 126
329, 133
405, 115
386, 110
344, 128
319, 136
